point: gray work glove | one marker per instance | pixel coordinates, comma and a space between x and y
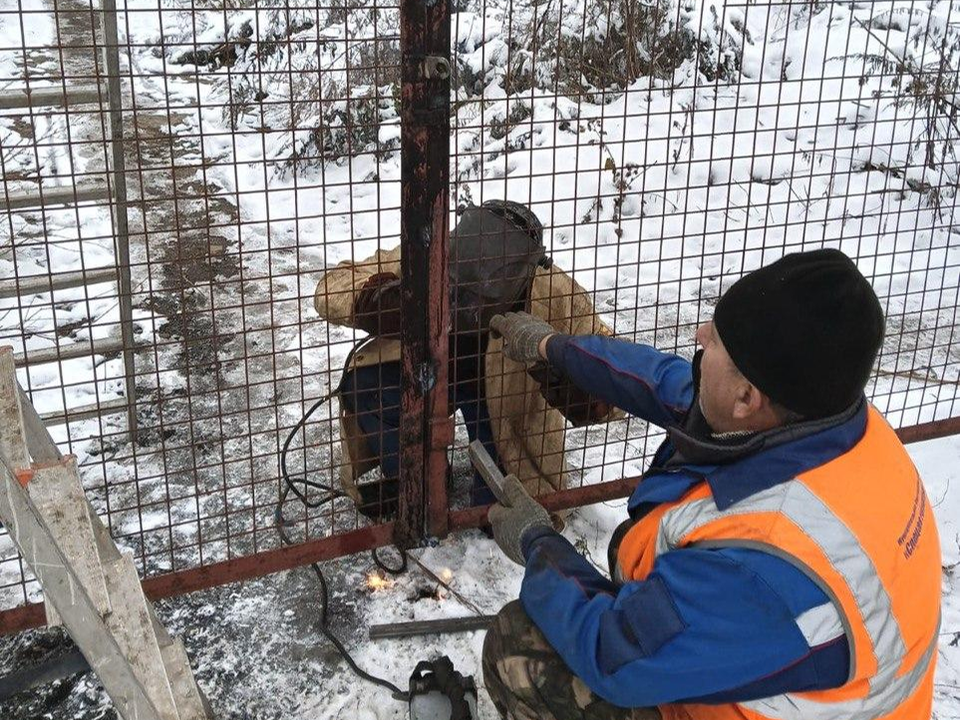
522, 333
511, 521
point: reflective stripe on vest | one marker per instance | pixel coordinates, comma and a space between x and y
881, 701
796, 502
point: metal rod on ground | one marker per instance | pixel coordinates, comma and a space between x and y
446, 585
430, 627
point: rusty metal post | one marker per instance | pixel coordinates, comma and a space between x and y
425, 425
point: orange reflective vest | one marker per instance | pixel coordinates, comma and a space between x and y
861, 526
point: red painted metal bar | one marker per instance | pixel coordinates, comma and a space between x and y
930, 430
425, 425
292, 556
229, 571
614, 489
562, 500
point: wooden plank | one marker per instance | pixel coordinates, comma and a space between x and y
59, 498
54, 96
191, 702
133, 621
59, 195
39, 284
42, 447
63, 588
130, 624
69, 352
13, 439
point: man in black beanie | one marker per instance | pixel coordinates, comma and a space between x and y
780, 558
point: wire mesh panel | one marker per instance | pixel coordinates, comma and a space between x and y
259, 146
250, 224
670, 147
59, 260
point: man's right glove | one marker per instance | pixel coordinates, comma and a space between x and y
522, 334
511, 521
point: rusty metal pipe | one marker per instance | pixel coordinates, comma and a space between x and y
426, 429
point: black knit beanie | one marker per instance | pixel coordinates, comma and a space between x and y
804, 330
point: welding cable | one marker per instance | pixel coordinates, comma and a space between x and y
399, 570
395, 692
290, 486
290, 483
332, 493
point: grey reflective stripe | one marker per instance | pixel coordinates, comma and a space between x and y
679, 522
820, 624
879, 702
797, 503
806, 570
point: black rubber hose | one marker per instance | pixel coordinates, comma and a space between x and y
332, 494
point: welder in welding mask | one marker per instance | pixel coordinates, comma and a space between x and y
497, 263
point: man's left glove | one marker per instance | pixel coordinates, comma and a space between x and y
522, 334
511, 521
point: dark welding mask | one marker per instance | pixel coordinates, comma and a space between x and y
494, 252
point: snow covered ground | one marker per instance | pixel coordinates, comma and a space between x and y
285, 652
786, 126
259, 655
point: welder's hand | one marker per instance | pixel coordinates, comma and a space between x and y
511, 522
576, 405
377, 306
522, 334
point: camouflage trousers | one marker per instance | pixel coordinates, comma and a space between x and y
528, 680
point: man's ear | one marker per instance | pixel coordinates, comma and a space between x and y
748, 401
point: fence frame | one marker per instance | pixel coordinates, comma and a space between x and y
376, 536
426, 427
426, 430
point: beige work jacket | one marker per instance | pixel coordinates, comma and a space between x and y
529, 434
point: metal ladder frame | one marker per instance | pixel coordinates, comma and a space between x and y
89, 585
115, 190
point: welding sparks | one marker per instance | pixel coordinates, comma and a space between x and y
446, 575
378, 582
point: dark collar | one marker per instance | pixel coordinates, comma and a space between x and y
736, 469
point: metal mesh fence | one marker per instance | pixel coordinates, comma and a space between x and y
255, 146
175, 190
671, 148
